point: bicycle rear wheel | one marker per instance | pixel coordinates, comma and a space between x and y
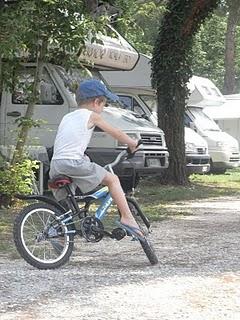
144, 226
41, 239
139, 216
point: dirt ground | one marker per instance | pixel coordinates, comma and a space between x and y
198, 276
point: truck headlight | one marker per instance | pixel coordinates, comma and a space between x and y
222, 145
190, 147
131, 135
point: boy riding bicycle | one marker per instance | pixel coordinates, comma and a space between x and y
73, 136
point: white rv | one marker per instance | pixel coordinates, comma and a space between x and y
227, 115
135, 88
223, 148
56, 98
135, 91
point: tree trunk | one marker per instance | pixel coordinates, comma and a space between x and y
229, 86
171, 71
27, 123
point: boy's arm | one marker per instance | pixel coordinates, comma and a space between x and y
97, 120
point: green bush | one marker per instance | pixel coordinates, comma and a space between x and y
16, 179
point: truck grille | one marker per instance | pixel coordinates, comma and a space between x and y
201, 150
150, 139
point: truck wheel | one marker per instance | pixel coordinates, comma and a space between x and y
216, 170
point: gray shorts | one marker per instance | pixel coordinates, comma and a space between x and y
85, 174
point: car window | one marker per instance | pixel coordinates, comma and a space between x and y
48, 93
137, 108
127, 101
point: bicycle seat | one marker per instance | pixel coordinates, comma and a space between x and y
59, 181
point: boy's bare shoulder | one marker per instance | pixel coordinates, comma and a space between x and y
96, 117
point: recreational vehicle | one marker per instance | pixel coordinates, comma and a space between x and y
56, 98
134, 88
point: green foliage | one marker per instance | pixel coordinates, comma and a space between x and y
171, 66
29, 122
137, 21
59, 27
17, 178
140, 22
37, 31
209, 48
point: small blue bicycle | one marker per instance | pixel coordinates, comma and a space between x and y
44, 231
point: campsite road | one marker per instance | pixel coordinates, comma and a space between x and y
198, 276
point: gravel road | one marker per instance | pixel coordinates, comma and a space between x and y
198, 276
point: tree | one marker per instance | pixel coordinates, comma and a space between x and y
171, 70
229, 86
137, 20
208, 49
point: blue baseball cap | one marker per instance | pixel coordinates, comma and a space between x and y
94, 88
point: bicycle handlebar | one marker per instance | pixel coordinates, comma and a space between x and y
125, 154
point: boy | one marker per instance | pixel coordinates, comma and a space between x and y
73, 136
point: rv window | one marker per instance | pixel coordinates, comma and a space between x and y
187, 120
72, 77
203, 121
150, 101
137, 108
216, 93
127, 101
207, 91
131, 104
48, 94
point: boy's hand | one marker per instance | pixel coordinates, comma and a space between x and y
133, 145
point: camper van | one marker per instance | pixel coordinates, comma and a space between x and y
137, 95
134, 87
56, 98
144, 103
223, 148
227, 116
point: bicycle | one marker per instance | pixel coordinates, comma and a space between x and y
44, 231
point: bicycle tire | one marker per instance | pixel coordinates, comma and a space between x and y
149, 251
60, 243
139, 216
143, 223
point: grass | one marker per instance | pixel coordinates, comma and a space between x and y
156, 200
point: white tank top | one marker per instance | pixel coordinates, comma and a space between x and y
73, 135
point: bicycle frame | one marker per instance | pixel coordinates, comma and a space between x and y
106, 202
74, 210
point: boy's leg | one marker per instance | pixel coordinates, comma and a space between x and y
118, 196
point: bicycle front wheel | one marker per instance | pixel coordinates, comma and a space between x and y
144, 226
41, 239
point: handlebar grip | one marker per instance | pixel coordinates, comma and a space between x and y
131, 154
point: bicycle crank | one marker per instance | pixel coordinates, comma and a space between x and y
92, 229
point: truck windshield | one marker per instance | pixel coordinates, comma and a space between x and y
72, 77
203, 121
150, 101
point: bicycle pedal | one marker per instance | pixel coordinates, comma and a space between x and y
118, 233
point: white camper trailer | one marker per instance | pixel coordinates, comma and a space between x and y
135, 91
223, 148
227, 115
56, 98
135, 87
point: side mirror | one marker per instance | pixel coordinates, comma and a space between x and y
145, 116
